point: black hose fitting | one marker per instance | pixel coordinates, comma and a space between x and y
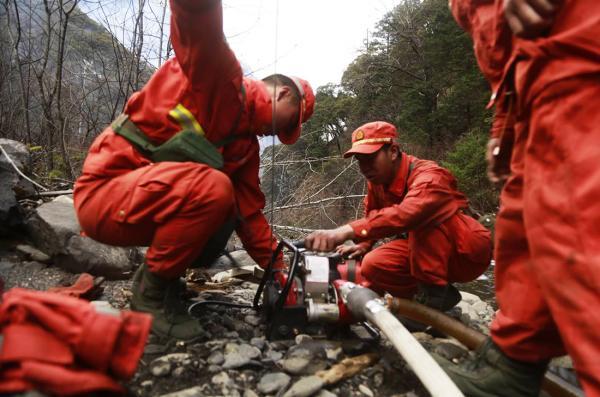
357, 298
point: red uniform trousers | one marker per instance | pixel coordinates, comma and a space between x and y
548, 233
174, 208
458, 250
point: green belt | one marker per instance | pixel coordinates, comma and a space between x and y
186, 145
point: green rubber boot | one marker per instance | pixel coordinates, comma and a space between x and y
491, 373
162, 298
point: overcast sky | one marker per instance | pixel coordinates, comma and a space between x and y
315, 40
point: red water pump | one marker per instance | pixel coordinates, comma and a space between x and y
305, 298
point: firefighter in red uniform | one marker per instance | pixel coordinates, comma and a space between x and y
542, 60
415, 203
178, 171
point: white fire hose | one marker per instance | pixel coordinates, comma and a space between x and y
364, 303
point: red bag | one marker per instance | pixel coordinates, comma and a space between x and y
63, 346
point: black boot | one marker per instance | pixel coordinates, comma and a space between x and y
439, 297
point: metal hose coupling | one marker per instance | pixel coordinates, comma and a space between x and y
360, 300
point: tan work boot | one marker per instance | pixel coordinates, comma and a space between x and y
162, 298
491, 373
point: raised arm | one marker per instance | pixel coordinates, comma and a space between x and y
199, 43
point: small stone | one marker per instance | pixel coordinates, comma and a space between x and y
305, 359
33, 253
160, 368
305, 387
239, 355
281, 344
174, 357
213, 368
222, 379
274, 355
365, 390
235, 360
191, 392
259, 342
469, 298
216, 358
273, 382
295, 365
178, 372
334, 354
250, 393
147, 384
252, 320
302, 338
230, 393
378, 379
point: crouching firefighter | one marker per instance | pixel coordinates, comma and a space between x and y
414, 203
178, 170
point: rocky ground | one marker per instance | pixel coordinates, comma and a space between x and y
234, 358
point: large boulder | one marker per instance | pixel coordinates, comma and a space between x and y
13, 186
55, 230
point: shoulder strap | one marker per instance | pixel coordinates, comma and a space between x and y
127, 129
187, 121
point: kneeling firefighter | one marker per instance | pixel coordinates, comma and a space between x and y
414, 203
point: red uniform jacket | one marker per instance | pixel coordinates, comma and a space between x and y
206, 78
422, 195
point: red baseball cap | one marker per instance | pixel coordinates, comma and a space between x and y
307, 106
370, 137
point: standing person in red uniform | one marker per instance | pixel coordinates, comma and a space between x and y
542, 58
415, 203
130, 194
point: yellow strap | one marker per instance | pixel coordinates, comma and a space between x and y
186, 119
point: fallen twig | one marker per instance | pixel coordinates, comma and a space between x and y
19, 171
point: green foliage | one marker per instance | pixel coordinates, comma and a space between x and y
55, 174
328, 123
467, 162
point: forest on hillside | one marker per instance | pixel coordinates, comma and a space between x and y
64, 77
